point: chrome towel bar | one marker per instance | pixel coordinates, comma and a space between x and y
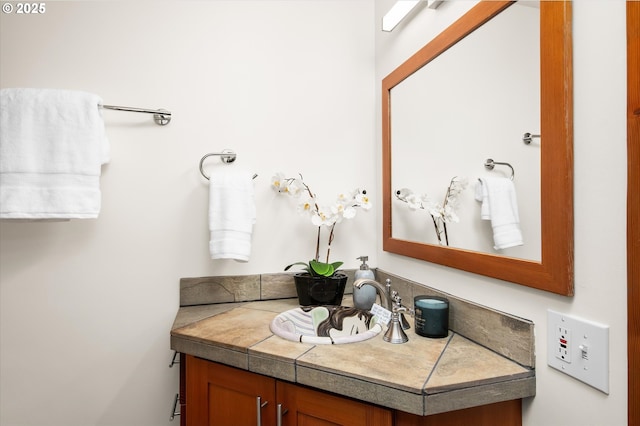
162, 117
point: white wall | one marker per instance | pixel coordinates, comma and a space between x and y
86, 306
600, 211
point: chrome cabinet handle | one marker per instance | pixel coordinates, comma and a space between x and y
280, 412
259, 406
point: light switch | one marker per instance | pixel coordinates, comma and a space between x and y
579, 348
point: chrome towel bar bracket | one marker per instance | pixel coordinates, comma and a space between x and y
528, 137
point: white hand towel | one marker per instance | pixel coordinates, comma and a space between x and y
499, 204
52, 147
232, 213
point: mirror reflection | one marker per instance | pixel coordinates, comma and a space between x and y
485, 101
473, 102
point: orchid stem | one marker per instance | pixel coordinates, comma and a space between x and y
330, 241
317, 258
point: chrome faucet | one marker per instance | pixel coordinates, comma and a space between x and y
385, 297
393, 303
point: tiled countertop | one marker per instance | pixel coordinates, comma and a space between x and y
423, 376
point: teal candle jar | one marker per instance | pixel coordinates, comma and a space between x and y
431, 316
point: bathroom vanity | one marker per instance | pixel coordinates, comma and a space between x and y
240, 394
236, 371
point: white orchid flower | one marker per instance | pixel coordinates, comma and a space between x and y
295, 187
344, 208
414, 201
307, 207
278, 182
363, 200
349, 212
403, 193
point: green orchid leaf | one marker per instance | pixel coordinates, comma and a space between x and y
306, 266
321, 268
317, 269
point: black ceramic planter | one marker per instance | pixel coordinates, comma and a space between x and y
320, 290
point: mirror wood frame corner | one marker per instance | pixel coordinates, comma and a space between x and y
554, 271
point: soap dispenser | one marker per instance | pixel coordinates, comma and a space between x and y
364, 297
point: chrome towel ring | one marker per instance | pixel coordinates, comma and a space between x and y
490, 164
227, 156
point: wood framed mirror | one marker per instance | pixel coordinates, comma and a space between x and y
553, 272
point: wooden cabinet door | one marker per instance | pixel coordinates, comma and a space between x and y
218, 395
307, 407
507, 413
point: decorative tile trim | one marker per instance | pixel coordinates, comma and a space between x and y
243, 288
211, 290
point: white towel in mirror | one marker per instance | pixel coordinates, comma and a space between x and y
500, 205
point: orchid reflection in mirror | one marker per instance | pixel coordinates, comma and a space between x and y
441, 214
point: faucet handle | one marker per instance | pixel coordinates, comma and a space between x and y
395, 296
400, 310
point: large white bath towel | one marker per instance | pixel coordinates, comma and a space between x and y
232, 214
52, 147
500, 205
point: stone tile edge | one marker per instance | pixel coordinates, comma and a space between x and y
211, 352
359, 389
479, 395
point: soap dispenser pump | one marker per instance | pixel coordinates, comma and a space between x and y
364, 297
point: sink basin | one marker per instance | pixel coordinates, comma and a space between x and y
326, 325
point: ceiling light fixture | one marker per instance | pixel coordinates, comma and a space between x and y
401, 9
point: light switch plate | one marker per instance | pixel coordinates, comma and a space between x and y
579, 348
